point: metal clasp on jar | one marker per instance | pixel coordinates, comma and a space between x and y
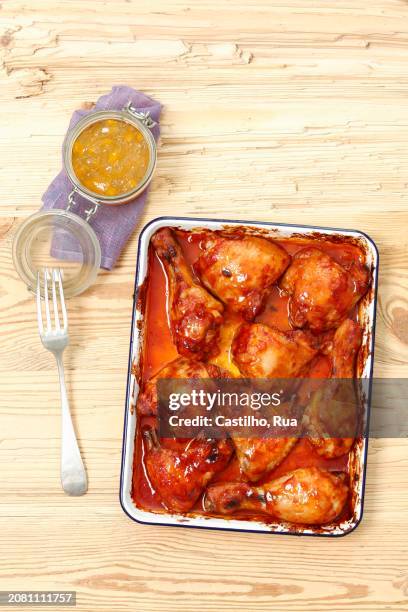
145, 118
89, 212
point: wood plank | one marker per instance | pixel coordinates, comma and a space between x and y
288, 111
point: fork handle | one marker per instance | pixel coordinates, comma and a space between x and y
73, 475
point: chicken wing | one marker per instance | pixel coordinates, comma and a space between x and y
180, 477
261, 351
240, 270
333, 407
322, 292
182, 367
195, 315
308, 496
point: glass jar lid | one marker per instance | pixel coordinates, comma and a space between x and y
57, 239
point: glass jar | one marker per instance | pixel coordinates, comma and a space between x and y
142, 122
36, 246
37, 240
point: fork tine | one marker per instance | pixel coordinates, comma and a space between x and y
62, 299
39, 313
46, 299
54, 273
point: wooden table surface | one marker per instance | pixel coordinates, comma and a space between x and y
289, 111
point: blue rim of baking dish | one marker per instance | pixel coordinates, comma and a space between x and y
130, 360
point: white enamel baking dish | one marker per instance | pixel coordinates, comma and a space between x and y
367, 311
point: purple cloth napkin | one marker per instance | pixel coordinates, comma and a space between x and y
112, 224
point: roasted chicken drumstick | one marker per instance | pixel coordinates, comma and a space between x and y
195, 315
240, 270
345, 346
308, 496
180, 477
332, 408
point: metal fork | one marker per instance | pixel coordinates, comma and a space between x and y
55, 339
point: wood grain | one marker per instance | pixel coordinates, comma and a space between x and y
286, 111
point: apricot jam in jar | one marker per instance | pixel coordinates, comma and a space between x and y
110, 156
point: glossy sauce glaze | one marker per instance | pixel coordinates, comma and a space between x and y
159, 349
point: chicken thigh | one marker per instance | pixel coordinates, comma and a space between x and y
239, 270
256, 456
195, 315
322, 292
182, 367
261, 351
180, 477
308, 496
